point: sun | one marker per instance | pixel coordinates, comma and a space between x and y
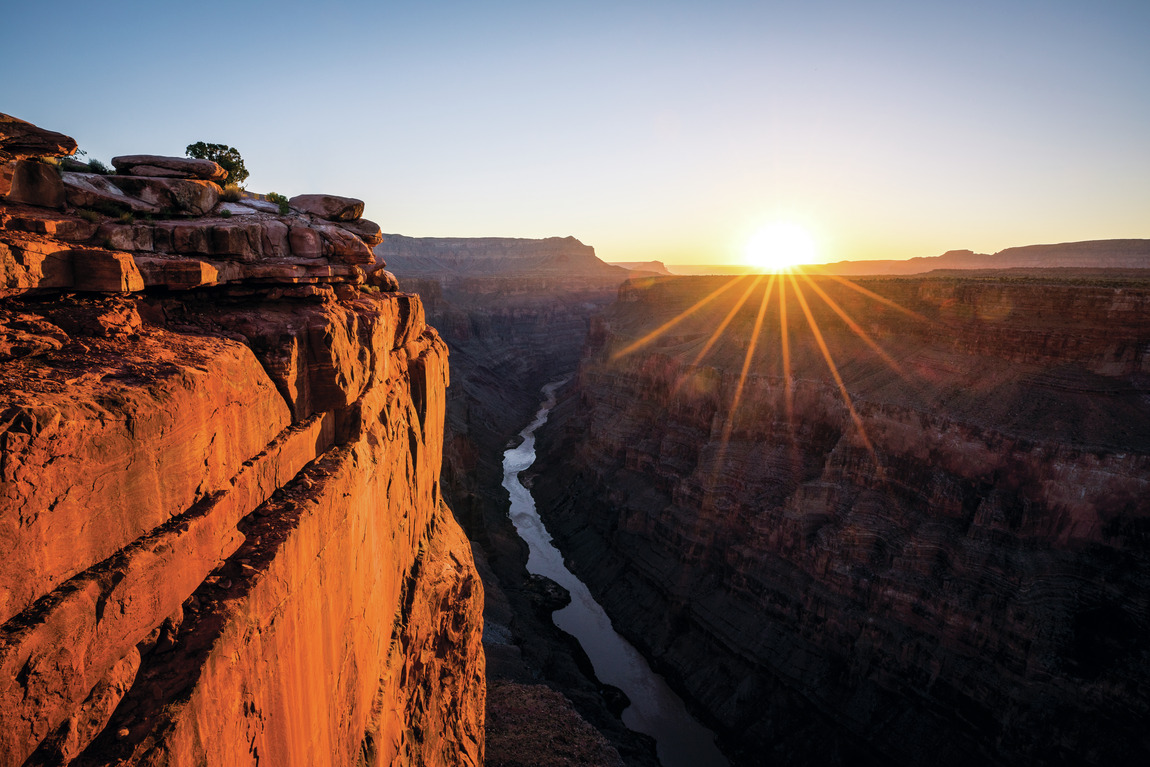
780, 245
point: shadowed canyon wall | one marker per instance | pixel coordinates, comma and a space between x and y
512, 324
943, 559
220, 445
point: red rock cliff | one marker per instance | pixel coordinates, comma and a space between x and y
944, 560
220, 445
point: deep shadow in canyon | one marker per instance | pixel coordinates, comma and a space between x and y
942, 559
515, 314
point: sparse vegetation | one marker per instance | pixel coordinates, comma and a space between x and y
225, 214
279, 200
104, 209
127, 217
80, 160
228, 157
232, 193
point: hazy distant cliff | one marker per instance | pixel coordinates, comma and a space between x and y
946, 564
448, 257
220, 446
1091, 254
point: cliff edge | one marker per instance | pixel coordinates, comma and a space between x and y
220, 446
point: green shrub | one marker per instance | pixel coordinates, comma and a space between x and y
90, 216
127, 217
225, 214
279, 200
95, 166
228, 158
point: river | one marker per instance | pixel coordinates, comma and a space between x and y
655, 709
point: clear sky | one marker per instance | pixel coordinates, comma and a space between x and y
668, 130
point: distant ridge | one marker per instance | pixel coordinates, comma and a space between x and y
1098, 254
652, 267
490, 257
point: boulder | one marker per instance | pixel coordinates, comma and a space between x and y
37, 183
20, 140
275, 242
344, 246
305, 242
88, 190
184, 195
238, 239
368, 231
169, 167
32, 263
126, 236
185, 237
105, 271
236, 208
384, 280
328, 206
7, 168
177, 273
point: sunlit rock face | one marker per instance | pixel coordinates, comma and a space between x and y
223, 537
944, 560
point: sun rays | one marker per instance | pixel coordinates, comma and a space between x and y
781, 287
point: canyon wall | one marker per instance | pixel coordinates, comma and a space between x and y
933, 547
510, 331
220, 446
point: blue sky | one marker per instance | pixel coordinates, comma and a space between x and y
647, 129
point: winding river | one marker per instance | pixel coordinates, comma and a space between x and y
655, 709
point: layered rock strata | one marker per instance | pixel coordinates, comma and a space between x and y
220, 447
935, 550
509, 335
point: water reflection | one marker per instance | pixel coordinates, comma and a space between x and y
655, 709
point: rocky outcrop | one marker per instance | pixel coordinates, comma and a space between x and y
224, 537
945, 558
169, 167
20, 140
328, 206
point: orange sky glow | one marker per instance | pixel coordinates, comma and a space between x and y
650, 130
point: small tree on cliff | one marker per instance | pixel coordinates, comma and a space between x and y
228, 158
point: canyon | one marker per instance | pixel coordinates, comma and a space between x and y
890, 520
511, 329
886, 520
220, 447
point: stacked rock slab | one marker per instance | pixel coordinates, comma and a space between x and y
220, 442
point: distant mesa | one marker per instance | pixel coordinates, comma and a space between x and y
441, 257
652, 267
1090, 254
